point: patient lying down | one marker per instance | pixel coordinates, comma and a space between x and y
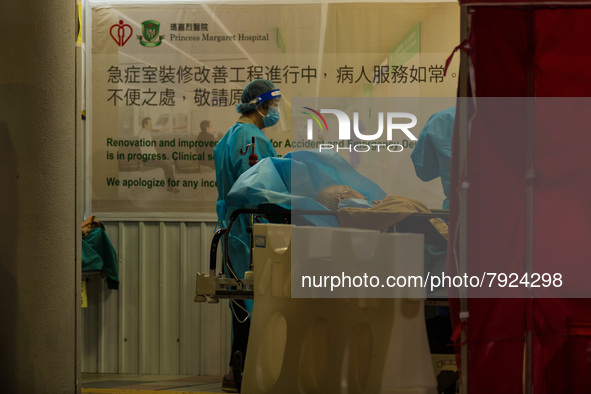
332, 196
377, 216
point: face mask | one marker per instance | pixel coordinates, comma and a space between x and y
271, 118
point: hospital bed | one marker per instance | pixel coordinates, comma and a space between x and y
282, 326
217, 285
292, 212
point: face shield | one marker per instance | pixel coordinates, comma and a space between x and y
274, 95
273, 99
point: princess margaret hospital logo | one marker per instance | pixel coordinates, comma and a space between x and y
150, 30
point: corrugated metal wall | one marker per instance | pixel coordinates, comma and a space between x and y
151, 324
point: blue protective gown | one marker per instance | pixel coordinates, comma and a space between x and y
431, 155
229, 165
294, 181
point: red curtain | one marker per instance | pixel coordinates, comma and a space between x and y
517, 52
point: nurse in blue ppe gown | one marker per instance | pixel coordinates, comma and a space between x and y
431, 155
259, 109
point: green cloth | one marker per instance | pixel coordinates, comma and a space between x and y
98, 254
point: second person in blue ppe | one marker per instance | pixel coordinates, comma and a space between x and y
431, 155
258, 109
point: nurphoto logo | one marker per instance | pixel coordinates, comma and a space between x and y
390, 122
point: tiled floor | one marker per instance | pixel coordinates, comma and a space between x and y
146, 384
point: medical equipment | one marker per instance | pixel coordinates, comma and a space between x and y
252, 158
214, 286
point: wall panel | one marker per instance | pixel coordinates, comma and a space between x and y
151, 324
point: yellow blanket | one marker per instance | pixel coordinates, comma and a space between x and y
386, 213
